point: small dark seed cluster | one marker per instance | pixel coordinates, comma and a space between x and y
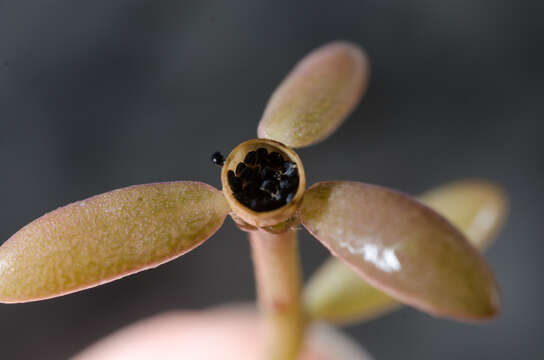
264, 181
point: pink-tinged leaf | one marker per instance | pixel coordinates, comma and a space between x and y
106, 237
401, 247
318, 94
337, 294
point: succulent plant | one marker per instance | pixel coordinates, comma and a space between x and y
388, 247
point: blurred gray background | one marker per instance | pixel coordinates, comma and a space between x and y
97, 95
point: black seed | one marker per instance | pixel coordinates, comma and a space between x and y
294, 173
267, 173
264, 181
241, 197
281, 194
246, 200
276, 204
275, 159
289, 197
263, 162
264, 204
254, 175
261, 155
269, 204
234, 182
239, 168
291, 171
251, 188
250, 174
245, 173
251, 158
253, 204
288, 183
276, 195
218, 159
269, 186
289, 168
259, 204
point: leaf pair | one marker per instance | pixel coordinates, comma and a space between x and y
391, 240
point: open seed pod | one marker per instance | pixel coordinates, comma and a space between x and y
247, 190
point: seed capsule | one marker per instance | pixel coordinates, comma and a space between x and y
263, 181
260, 165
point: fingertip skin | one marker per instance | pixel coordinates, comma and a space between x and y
317, 95
230, 332
106, 237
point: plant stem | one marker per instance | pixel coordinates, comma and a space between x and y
278, 278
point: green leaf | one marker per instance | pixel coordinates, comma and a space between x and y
477, 207
106, 237
318, 94
337, 294
401, 247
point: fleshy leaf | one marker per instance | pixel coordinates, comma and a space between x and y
106, 237
337, 294
401, 247
477, 207
318, 94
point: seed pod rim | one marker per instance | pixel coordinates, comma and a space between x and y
262, 218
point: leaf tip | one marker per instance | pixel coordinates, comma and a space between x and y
317, 95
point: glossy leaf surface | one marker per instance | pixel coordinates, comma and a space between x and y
401, 247
337, 294
106, 237
318, 94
